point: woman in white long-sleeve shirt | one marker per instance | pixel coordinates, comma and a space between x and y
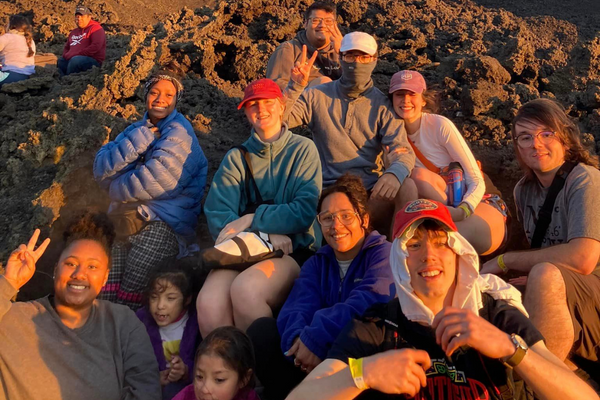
481, 215
17, 51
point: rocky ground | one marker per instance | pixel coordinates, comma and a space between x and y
485, 61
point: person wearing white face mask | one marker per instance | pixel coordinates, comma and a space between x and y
451, 333
353, 124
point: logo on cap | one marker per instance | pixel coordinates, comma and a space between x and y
420, 205
406, 76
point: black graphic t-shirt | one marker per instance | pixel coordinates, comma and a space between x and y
467, 375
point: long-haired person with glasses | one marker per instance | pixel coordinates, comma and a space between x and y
338, 283
563, 284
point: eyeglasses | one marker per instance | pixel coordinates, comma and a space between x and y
526, 141
363, 58
326, 21
346, 217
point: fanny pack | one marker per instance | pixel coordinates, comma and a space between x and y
126, 220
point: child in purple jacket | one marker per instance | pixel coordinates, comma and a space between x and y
172, 326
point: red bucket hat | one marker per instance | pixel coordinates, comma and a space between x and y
261, 89
422, 209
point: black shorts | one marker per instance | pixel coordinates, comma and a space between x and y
583, 300
301, 255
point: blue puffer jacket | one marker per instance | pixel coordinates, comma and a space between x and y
321, 304
167, 174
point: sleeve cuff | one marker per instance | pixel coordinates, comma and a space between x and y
399, 171
313, 346
7, 291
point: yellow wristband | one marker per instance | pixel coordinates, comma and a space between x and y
501, 263
356, 369
466, 209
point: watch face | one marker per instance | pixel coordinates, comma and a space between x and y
520, 342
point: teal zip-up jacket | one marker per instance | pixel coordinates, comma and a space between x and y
287, 171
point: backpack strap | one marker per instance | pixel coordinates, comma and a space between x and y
249, 175
545, 214
428, 164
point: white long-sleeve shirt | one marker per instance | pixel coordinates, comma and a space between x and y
441, 143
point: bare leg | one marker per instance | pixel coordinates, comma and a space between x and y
383, 212
429, 185
214, 302
546, 302
261, 288
485, 229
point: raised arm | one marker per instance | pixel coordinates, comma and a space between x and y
297, 106
19, 269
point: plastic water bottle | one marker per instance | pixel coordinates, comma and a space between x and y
456, 184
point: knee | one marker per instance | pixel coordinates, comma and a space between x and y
245, 296
545, 275
210, 310
545, 281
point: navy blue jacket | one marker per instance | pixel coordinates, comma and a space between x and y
321, 304
165, 174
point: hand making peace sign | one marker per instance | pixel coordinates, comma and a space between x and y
21, 263
301, 71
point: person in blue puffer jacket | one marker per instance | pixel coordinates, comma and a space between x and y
340, 282
155, 174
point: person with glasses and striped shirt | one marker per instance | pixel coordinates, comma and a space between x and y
322, 35
342, 280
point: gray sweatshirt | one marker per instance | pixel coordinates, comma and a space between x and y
109, 358
350, 133
285, 56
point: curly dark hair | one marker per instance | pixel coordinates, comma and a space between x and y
553, 116
171, 271
353, 188
319, 5
234, 347
91, 226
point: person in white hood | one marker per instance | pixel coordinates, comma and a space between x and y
450, 334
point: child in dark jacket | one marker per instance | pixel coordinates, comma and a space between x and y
172, 326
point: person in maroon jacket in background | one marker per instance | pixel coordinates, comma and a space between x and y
86, 45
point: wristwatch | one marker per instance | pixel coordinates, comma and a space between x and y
520, 351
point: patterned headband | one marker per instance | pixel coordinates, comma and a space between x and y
173, 80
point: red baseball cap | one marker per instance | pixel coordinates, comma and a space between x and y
422, 209
261, 89
408, 80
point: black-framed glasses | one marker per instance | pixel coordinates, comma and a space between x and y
362, 58
525, 141
346, 217
326, 21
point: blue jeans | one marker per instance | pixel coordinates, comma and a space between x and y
76, 64
13, 77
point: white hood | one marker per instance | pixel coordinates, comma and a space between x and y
469, 284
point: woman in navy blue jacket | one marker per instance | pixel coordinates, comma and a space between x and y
337, 284
155, 173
